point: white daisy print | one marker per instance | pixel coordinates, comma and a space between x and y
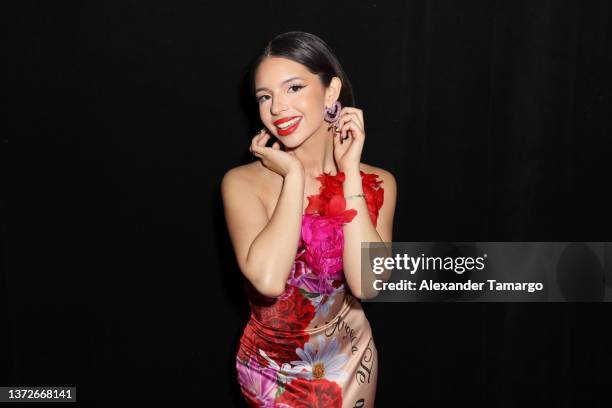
325, 361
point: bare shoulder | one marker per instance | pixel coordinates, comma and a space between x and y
388, 180
253, 177
240, 175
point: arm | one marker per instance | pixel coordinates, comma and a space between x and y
265, 249
361, 229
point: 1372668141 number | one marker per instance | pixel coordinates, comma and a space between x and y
12, 394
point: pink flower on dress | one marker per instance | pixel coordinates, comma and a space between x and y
303, 277
298, 271
323, 237
259, 383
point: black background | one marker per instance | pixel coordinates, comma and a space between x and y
119, 277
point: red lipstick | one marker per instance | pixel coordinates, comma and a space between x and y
288, 130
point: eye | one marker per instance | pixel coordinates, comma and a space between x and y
260, 99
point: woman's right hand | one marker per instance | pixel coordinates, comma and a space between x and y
273, 157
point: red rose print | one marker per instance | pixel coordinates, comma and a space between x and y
289, 315
281, 349
294, 312
302, 393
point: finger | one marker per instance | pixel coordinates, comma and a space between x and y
351, 116
258, 134
345, 139
276, 146
263, 139
345, 119
356, 131
336, 138
357, 112
259, 142
257, 154
262, 133
360, 114
263, 150
253, 144
357, 118
255, 139
344, 128
340, 139
257, 149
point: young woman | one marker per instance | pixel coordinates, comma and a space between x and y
296, 219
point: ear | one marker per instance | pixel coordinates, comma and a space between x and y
332, 93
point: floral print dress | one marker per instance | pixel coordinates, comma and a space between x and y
312, 346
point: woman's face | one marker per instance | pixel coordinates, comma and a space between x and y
284, 90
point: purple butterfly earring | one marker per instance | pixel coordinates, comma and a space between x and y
333, 114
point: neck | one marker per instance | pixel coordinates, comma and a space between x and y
317, 152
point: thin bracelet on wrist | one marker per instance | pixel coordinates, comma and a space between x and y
353, 196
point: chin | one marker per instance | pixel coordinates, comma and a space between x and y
294, 141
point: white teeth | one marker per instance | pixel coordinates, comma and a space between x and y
287, 124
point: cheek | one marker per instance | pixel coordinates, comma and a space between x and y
311, 108
264, 115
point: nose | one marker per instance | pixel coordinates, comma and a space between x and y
277, 106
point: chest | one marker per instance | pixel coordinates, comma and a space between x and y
271, 194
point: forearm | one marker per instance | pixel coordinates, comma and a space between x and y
272, 253
360, 229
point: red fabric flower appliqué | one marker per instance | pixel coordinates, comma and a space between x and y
374, 194
330, 200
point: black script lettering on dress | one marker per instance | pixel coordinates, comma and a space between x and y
363, 372
342, 327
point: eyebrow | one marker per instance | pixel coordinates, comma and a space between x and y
282, 83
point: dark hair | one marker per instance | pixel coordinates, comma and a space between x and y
312, 52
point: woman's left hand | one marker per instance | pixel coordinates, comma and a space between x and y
347, 153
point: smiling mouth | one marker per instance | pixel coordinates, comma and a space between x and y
289, 123
289, 127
